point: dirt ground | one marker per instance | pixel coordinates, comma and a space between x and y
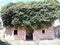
38, 42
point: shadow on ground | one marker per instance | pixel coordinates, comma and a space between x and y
4, 43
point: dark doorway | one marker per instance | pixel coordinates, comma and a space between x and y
15, 32
29, 34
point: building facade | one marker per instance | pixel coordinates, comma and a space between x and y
22, 34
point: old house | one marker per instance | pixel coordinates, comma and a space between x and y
22, 34
31, 21
43, 34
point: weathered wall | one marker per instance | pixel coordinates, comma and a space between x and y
10, 33
49, 34
21, 35
37, 35
57, 31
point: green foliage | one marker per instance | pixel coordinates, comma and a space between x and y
37, 15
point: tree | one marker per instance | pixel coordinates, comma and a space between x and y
36, 15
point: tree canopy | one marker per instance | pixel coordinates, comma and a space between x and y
36, 15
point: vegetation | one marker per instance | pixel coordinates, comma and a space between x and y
36, 15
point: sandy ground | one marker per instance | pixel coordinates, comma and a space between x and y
40, 42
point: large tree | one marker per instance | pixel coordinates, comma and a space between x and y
36, 15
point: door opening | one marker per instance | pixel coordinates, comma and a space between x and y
29, 34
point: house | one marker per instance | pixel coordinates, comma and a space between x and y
43, 34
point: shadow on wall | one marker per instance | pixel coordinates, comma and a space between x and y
4, 43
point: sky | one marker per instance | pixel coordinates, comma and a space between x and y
3, 2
